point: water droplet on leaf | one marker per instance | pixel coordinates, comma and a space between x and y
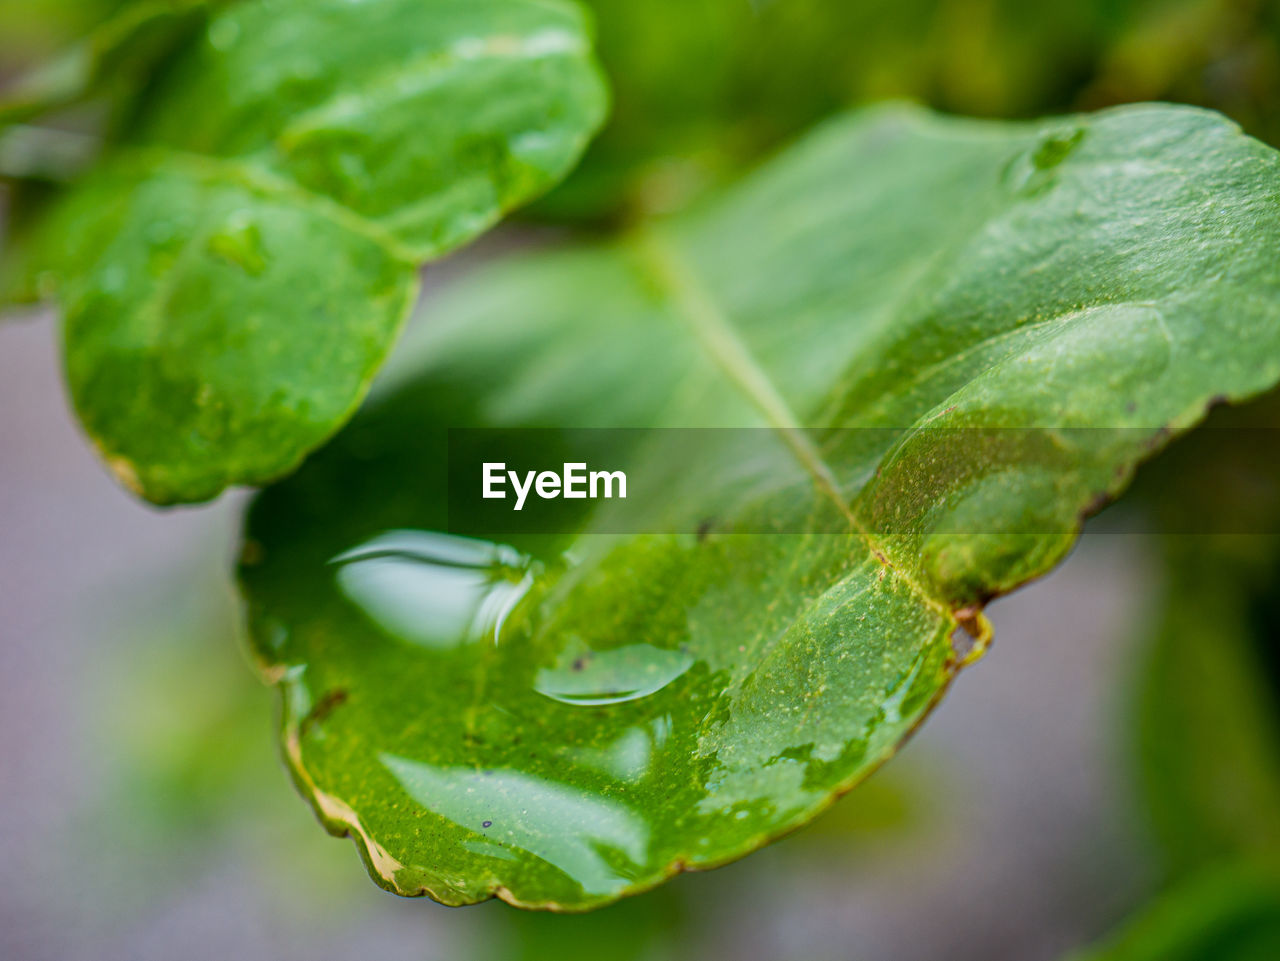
239, 242
597, 678
435, 590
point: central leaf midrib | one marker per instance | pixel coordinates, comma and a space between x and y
694, 304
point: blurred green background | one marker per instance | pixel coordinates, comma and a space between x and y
702, 88
1120, 747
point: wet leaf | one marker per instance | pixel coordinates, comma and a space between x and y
234, 273
983, 327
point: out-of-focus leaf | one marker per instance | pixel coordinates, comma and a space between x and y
22, 207
570, 718
1231, 914
654, 925
232, 276
219, 322
49, 135
1207, 52
1209, 722
703, 88
121, 49
700, 89
1208, 713
34, 163
30, 33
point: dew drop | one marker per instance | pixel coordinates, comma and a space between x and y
239, 242
435, 590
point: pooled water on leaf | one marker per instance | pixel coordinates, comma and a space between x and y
596, 678
435, 590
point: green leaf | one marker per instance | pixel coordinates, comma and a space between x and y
22, 208
232, 276
1229, 914
29, 35
985, 327
46, 141
53, 118
654, 926
261, 317
703, 88
1209, 722
122, 48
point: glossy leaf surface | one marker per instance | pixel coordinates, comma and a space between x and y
235, 273
984, 328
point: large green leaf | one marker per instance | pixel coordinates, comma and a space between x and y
985, 326
235, 273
